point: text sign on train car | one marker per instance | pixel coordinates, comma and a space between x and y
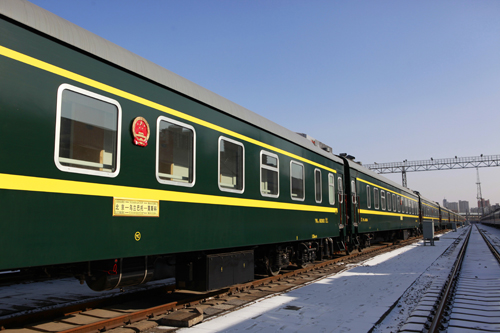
140, 130
136, 207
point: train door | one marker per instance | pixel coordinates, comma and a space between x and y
354, 216
342, 202
354, 203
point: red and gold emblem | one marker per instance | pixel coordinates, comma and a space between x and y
140, 130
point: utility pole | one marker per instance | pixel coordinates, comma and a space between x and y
479, 194
403, 174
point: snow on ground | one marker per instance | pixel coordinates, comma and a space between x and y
351, 301
55, 293
438, 271
492, 233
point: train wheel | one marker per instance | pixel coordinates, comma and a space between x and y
269, 264
272, 268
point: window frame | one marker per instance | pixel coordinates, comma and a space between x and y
157, 167
267, 167
316, 187
96, 96
303, 181
227, 189
331, 199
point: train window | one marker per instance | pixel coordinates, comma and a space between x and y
269, 174
368, 197
353, 191
382, 199
394, 202
88, 129
376, 198
317, 185
331, 189
231, 165
297, 185
340, 189
388, 201
175, 152
400, 202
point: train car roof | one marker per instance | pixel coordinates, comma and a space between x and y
360, 168
50, 24
431, 201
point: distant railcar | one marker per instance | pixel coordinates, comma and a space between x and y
492, 219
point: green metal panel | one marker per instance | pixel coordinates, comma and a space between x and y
373, 219
50, 227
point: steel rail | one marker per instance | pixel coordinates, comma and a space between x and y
492, 248
446, 293
128, 318
115, 322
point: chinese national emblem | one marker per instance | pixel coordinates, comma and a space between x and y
140, 130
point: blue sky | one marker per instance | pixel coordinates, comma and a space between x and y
384, 81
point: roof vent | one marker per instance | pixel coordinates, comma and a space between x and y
317, 143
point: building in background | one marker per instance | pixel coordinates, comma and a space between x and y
463, 206
453, 206
483, 205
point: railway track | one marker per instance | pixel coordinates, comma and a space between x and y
470, 298
183, 308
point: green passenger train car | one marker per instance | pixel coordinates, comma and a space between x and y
430, 212
379, 207
105, 160
119, 171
